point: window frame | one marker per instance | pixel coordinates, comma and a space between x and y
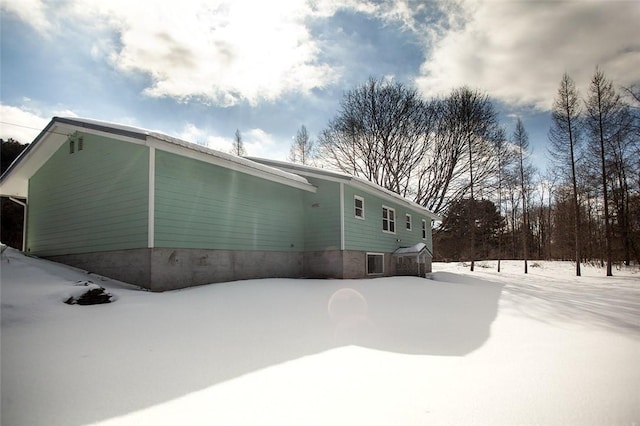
355, 208
380, 255
424, 229
408, 222
391, 223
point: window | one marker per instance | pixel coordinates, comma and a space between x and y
375, 263
388, 220
72, 147
358, 207
408, 221
424, 229
80, 143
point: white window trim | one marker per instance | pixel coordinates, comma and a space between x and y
357, 197
424, 229
367, 263
409, 222
394, 220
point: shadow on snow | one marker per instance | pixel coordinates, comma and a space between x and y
159, 347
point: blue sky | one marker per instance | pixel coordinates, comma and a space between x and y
202, 69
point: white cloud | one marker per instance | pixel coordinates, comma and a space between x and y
191, 133
256, 142
219, 143
518, 51
194, 134
233, 51
20, 124
259, 143
224, 52
32, 11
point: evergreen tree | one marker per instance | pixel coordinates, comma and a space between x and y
451, 236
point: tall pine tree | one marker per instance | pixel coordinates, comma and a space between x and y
564, 137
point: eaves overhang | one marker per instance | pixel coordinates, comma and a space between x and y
336, 176
14, 181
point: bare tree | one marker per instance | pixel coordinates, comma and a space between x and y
602, 106
381, 133
505, 158
633, 168
564, 137
238, 145
461, 150
473, 120
521, 141
302, 148
622, 148
634, 92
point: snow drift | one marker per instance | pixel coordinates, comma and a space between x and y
480, 347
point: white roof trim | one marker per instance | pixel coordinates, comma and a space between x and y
14, 182
357, 182
411, 251
229, 161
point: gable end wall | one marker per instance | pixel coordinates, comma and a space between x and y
92, 200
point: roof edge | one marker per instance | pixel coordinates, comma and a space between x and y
145, 136
310, 170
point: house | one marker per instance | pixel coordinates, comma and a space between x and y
162, 213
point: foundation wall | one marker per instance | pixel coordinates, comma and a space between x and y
130, 266
163, 269
323, 264
179, 268
355, 264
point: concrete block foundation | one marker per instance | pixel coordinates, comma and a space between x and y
162, 269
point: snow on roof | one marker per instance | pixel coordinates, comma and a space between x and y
309, 170
413, 250
13, 182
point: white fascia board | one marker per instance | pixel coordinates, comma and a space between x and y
15, 182
70, 129
321, 176
303, 170
242, 165
356, 182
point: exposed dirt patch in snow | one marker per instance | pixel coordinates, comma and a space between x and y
88, 293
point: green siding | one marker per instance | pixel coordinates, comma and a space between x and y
200, 205
367, 234
322, 216
96, 200
92, 200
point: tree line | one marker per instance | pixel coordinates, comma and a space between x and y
451, 155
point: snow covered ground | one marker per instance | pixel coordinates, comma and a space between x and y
462, 348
